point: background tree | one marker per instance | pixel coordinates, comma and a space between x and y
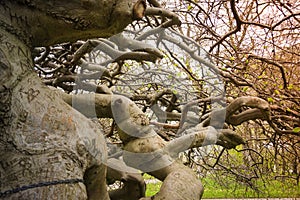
256, 45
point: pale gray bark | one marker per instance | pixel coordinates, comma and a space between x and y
42, 139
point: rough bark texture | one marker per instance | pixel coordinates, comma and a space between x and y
43, 141
43, 23
42, 138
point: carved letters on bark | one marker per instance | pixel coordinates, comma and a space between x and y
39, 133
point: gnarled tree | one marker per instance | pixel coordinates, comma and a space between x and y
51, 138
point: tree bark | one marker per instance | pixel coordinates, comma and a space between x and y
41, 23
42, 138
48, 149
143, 148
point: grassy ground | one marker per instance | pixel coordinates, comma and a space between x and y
153, 185
271, 189
274, 188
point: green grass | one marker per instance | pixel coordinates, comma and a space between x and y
231, 189
152, 189
271, 189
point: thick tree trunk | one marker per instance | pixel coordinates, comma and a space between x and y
43, 140
48, 150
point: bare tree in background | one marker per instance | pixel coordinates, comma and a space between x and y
256, 44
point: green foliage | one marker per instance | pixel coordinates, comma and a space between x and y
296, 130
270, 99
190, 7
244, 89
